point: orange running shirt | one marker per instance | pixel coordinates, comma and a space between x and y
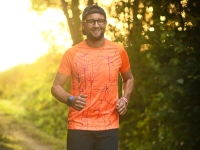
94, 72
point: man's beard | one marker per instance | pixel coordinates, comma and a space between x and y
95, 38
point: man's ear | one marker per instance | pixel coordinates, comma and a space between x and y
83, 28
83, 25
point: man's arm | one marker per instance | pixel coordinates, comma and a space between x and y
128, 85
57, 89
61, 95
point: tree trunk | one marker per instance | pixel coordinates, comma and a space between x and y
135, 32
90, 2
73, 20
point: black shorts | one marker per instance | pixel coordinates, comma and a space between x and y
92, 140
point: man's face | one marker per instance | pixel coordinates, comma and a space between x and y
94, 26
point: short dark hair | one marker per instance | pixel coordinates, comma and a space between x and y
90, 10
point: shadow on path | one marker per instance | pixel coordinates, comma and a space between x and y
4, 142
22, 136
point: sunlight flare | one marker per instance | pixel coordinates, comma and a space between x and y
22, 32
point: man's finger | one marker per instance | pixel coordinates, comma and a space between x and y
83, 96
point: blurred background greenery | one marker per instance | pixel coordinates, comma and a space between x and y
162, 39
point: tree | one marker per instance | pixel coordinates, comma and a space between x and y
165, 64
73, 20
162, 40
71, 11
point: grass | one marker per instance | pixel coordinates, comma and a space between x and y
16, 114
11, 108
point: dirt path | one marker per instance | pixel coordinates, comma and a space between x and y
15, 136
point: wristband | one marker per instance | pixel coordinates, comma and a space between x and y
125, 99
69, 101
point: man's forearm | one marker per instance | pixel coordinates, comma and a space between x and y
59, 93
128, 86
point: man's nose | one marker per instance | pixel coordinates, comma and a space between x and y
96, 24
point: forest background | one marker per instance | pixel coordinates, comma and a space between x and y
162, 39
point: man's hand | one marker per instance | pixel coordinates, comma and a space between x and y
79, 102
121, 106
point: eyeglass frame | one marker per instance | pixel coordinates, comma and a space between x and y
94, 21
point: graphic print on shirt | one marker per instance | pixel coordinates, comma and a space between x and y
95, 73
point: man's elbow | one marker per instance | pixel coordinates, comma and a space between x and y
130, 79
53, 90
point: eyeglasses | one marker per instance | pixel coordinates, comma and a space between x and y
92, 21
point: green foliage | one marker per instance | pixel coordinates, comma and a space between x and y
41, 5
71, 12
164, 110
164, 107
29, 86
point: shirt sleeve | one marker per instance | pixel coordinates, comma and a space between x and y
65, 64
125, 61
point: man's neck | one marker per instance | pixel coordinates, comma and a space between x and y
95, 44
